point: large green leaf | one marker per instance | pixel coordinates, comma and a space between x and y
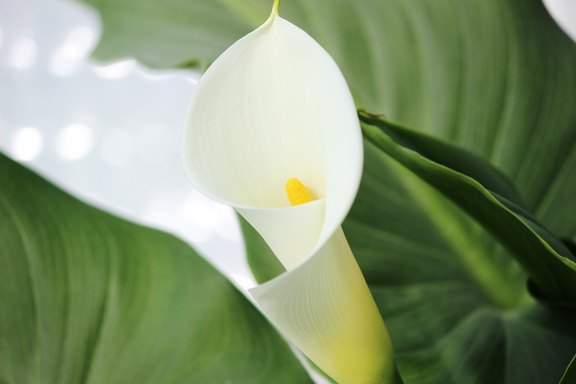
496, 76
454, 300
550, 264
87, 297
469, 339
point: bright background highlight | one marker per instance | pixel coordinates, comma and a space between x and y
107, 132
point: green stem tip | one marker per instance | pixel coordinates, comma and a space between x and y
275, 7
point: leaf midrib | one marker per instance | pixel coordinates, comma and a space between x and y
491, 280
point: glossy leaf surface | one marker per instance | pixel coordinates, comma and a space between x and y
549, 263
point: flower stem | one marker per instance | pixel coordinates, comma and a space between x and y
275, 7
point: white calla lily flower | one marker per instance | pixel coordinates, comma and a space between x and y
275, 108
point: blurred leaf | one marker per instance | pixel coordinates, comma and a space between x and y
87, 297
173, 33
263, 263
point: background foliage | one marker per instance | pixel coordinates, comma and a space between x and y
87, 297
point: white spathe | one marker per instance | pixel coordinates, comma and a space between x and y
275, 106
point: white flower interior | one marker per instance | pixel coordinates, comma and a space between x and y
272, 107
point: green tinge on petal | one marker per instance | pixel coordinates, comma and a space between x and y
291, 232
325, 308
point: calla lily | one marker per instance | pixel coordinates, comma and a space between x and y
275, 108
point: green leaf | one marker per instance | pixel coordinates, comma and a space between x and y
548, 262
569, 376
447, 154
165, 34
262, 261
87, 297
453, 299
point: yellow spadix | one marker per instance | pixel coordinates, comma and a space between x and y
297, 192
